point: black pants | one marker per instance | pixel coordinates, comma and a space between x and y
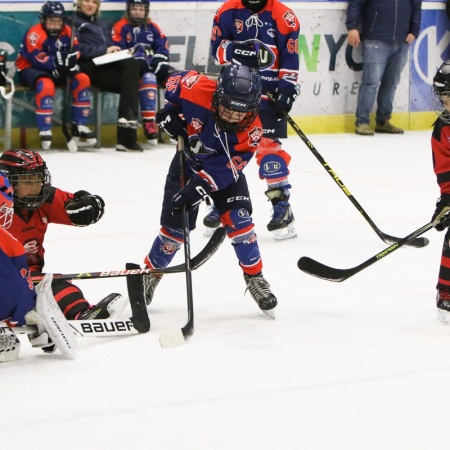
121, 77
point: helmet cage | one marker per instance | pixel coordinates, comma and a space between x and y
238, 89
440, 97
6, 202
52, 9
26, 166
137, 21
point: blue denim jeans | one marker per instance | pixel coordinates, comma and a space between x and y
383, 62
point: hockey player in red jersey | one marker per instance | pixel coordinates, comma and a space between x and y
37, 204
45, 60
150, 48
440, 144
19, 304
222, 130
264, 34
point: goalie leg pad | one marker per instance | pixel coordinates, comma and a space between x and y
9, 344
53, 320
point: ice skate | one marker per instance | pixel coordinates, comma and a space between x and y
108, 308
443, 305
150, 283
260, 291
282, 223
83, 136
211, 221
151, 132
46, 139
9, 343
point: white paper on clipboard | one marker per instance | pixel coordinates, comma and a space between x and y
111, 57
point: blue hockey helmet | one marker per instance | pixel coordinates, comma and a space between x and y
25, 165
6, 202
51, 9
137, 21
238, 90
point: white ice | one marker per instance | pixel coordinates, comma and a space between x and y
358, 365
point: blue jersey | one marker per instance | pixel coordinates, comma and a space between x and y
126, 36
274, 30
17, 295
214, 155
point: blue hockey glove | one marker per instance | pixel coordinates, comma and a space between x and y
442, 213
285, 98
195, 191
170, 121
85, 209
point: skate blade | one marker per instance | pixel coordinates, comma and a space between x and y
285, 233
269, 313
84, 142
443, 316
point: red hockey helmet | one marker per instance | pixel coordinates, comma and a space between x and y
6, 202
26, 166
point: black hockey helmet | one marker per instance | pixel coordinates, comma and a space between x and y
238, 89
254, 5
441, 91
52, 9
26, 166
6, 202
135, 21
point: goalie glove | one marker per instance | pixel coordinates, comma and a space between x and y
85, 209
195, 191
442, 213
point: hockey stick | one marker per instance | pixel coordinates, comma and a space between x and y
92, 328
319, 270
208, 250
176, 337
67, 136
418, 242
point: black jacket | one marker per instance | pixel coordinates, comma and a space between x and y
385, 20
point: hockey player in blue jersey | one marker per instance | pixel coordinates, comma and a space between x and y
264, 34
150, 47
222, 130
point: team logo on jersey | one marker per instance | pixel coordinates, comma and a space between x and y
237, 163
168, 248
289, 18
254, 136
42, 57
197, 124
190, 81
31, 247
238, 25
33, 38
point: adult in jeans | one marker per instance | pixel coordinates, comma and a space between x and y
387, 29
121, 77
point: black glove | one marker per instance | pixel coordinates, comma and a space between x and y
158, 61
3, 56
285, 99
243, 54
85, 209
59, 60
170, 121
442, 213
195, 191
161, 68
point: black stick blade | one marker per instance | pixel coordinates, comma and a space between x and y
319, 270
418, 242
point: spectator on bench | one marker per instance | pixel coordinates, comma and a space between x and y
120, 77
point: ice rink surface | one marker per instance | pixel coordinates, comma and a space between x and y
358, 365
